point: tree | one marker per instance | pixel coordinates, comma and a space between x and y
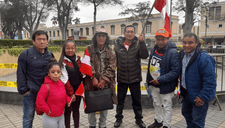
35, 12
138, 13
76, 20
98, 3
17, 9
64, 9
192, 9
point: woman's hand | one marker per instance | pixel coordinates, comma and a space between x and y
49, 112
101, 84
95, 82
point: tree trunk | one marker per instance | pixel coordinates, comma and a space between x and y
95, 12
189, 16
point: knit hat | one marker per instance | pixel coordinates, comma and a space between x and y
162, 32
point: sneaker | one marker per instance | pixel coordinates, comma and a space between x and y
140, 123
118, 123
156, 125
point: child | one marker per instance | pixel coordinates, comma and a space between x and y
53, 106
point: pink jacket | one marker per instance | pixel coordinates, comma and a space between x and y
56, 100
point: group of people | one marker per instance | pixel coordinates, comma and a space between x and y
51, 85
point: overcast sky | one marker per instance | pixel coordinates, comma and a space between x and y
103, 13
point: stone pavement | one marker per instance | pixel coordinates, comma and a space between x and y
11, 117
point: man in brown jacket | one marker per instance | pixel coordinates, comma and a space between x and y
103, 64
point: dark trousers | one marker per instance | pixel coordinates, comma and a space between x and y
136, 99
76, 114
194, 115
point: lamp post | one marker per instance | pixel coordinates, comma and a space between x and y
206, 25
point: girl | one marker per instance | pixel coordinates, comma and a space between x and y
53, 106
71, 77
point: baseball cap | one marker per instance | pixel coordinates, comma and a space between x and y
101, 30
162, 32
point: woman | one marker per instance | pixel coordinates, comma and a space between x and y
72, 79
103, 63
52, 101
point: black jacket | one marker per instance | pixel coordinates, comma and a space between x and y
129, 61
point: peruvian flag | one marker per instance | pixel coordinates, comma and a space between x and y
163, 6
86, 65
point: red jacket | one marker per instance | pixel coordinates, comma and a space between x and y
56, 100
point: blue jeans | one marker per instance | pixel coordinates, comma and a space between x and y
194, 115
28, 109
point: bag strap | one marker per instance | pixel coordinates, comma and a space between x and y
47, 85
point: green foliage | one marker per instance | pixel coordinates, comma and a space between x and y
9, 43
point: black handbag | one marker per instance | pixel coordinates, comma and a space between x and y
98, 100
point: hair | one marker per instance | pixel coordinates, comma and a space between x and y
94, 40
193, 35
51, 63
39, 32
128, 26
63, 49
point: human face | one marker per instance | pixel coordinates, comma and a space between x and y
129, 33
189, 44
40, 42
101, 38
161, 41
54, 73
70, 49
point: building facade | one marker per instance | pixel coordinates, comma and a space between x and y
212, 28
115, 28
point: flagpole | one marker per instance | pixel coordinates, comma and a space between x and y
148, 17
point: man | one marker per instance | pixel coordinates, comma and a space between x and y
162, 76
31, 72
129, 51
198, 83
103, 64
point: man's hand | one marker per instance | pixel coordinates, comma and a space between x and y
199, 101
25, 93
95, 82
155, 82
101, 84
73, 98
141, 38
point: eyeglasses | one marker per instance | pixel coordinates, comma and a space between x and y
130, 32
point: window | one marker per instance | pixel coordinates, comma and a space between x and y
71, 32
93, 31
136, 27
218, 13
50, 34
102, 27
207, 26
215, 13
53, 33
81, 31
193, 29
220, 26
58, 33
122, 28
112, 29
67, 32
27, 35
87, 31
180, 27
148, 27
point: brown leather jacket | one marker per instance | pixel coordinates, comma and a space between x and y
109, 72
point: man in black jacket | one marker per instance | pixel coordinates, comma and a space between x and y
129, 51
31, 72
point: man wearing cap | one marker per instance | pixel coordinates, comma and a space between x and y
103, 64
198, 81
162, 76
129, 51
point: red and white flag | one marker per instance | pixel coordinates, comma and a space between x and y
86, 64
163, 6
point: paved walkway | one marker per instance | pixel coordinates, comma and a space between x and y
11, 117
